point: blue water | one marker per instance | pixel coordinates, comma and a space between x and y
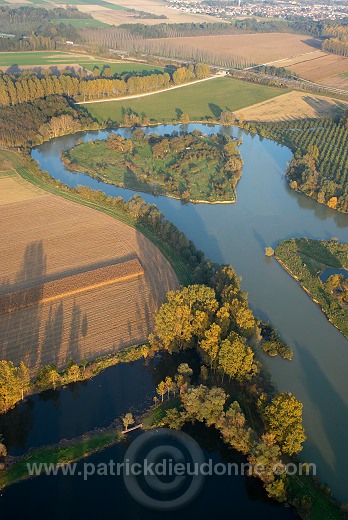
266, 212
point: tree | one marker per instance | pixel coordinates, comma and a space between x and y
185, 119
334, 282
174, 419
267, 465
3, 450
53, 377
185, 371
243, 317
161, 389
236, 359
10, 386
127, 420
24, 378
204, 404
204, 374
202, 70
84, 364
283, 418
138, 134
74, 373
170, 385
211, 342
227, 118
234, 430
184, 315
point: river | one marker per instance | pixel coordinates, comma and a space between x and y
266, 212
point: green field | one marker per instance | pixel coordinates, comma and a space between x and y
7, 59
80, 23
47, 58
101, 3
122, 67
198, 101
63, 453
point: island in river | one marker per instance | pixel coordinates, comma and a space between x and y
321, 268
190, 166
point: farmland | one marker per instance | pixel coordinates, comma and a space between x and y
253, 48
293, 105
115, 12
319, 167
83, 284
36, 58
80, 23
99, 11
58, 59
121, 67
319, 67
198, 101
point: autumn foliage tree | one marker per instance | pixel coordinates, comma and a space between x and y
283, 419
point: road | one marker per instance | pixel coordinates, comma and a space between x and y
135, 96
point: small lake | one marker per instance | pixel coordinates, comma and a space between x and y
328, 272
266, 212
80, 407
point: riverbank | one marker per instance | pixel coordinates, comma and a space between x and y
275, 232
27, 168
186, 167
304, 260
305, 494
58, 455
319, 164
47, 377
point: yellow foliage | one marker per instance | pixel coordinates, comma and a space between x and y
333, 202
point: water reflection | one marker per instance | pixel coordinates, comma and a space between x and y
266, 211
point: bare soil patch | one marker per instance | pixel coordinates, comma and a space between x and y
255, 48
155, 7
47, 242
318, 66
15, 189
293, 105
340, 82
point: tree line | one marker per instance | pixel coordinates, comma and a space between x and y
337, 41
28, 124
29, 87
215, 320
181, 30
33, 28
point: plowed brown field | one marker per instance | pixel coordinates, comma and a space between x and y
293, 105
254, 48
317, 66
82, 284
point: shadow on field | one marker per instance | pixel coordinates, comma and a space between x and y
35, 333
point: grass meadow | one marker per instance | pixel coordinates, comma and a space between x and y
201, 101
